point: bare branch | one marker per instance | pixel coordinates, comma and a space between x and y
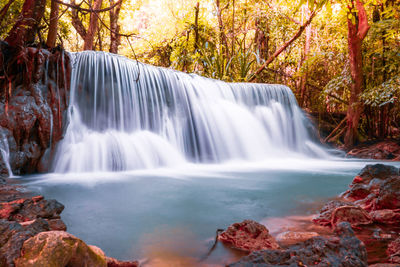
77, 7
283, 47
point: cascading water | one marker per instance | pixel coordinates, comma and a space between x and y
126, 115
5, 153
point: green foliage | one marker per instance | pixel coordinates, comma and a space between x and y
384, 94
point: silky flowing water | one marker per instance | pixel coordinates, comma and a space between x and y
154, 161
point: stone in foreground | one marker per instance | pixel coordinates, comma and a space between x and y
344, 250
58, 249
248, 236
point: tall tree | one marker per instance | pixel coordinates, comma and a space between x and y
357, 24
89, 33
223, 40
26, 28
53, 25
115, 37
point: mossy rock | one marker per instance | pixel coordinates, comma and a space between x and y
59, 249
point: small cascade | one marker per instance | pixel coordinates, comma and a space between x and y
5, 153
126, 115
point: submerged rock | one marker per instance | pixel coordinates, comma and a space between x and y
342, 250
248, 236
58, 249
111, 262
291, 237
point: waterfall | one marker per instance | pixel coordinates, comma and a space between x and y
5, 153
126, 115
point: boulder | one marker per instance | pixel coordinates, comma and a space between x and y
336, 211
376, 187
386, 216
344, 249
13, 236
248, 236
58, 249
27, 209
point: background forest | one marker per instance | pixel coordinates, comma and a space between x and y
341, 58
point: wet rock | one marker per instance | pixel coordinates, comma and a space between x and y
337, 211
354, 215
28, 209
386, 216
248, 236
389, 150
10, 192
58, 249
33, 106
342, 250
57, 225
393, 251
291, 237
377, 187
384, 265
13, 236
111, 262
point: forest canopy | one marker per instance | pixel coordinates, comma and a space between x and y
341, 58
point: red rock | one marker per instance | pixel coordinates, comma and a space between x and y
386, 216
357, 179
57, 225
111, 262
344, 249
389, 150
393, 251
377, 187
12, 238
58, 249
248, 236
27, 209
354, 215
291, 237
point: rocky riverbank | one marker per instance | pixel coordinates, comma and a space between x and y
386, 150
361, 227
33, 234
34, 97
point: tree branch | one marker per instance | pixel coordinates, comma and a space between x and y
363, 26
77, 7
283, 47
76, 22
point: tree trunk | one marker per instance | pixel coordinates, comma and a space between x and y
223, 40
196, 26
261, 40
356, 34
93, 27
53, 25
26, 28
115, 37
303, 80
